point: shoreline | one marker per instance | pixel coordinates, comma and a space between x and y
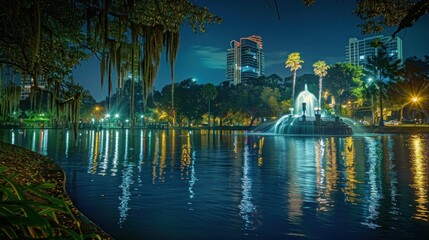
403, 129
34, 168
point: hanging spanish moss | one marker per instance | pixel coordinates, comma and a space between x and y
153, 26
9, 100
45, 41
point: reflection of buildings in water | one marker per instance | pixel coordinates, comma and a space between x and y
326, 172
235, 144
260, 145
114, 169
155, 158
140, 162
104, 164
392, 176
372, 149
142, 149
67, 144
351, 180
187, 163
185, 160
126, 184
12, 137
419, 168
163, 155
320, 175
247, 209
33, 142
331, 166
294, 196
172, 139
159, 157
192, 179
93, 152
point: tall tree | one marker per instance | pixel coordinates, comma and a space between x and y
383, 68
294, 62
413, 86
320, 69
209, 93
127, 36
369, 91
343, 80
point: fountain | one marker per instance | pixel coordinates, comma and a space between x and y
306, 120
310, 101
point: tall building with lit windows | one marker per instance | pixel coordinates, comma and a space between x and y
358, 51
245, 60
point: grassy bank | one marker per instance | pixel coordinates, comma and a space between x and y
34, 202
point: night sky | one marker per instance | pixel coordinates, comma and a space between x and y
320, 32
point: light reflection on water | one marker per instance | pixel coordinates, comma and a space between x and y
193, 185
419, 161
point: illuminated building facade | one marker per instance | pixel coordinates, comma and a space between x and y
245, 60
358, 51
26, 84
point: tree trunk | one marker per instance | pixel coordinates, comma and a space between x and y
372, 110
208, 124
293, 88
381, 122
252, 120
320, 93
132, 89
401, 114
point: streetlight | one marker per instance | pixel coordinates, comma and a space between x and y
413, 100
142, 119
108, 120
116, 118
291, 111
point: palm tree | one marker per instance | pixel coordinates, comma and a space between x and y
294, 62
320, 69
209, 93
382, 67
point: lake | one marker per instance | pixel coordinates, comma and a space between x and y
171, 184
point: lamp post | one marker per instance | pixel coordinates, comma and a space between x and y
413, 100
108, 120
116, 118
142, 119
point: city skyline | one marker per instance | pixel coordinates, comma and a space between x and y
319, 32
358, 50
245, 59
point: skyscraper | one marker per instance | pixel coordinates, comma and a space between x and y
358, 51
245, 60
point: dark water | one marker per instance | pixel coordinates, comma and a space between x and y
157, 184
